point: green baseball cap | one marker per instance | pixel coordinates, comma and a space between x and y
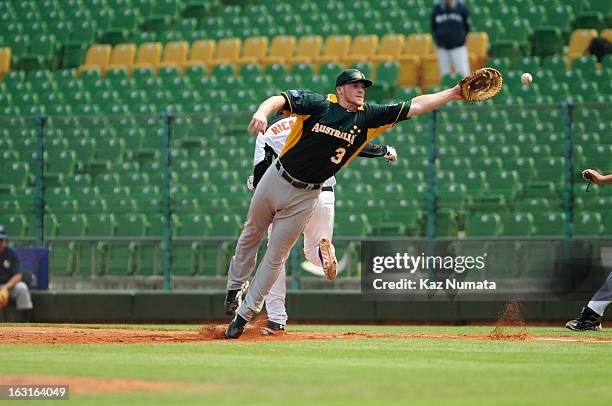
352, 76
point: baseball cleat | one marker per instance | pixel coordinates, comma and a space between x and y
273, 329
588, 320
328, 258
235, 328
234, 299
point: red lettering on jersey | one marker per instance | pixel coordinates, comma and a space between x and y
275, 130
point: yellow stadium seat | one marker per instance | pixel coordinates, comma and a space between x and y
362, 49
418, 45
607, 34
202, 53
98, 55
227, 51
430, 72
175, 54
579, 42
5, 61
123, 56
408, 75
335, 50
280, 51
478, 49
390, 48
149, 55
253, 50
308, 48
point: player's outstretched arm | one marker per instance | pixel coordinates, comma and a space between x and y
428, 102
596, 177
259, 121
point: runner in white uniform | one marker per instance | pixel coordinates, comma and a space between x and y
321, 224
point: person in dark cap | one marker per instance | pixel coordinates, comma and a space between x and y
450, 26
329, 132
11, 282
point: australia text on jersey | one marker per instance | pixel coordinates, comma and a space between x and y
350, 138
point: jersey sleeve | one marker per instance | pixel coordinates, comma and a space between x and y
260, 152
380, 115
302, 102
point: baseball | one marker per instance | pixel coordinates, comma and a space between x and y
526, 78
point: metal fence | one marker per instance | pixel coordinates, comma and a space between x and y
144, 194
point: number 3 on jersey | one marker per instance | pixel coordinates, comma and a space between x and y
339, 155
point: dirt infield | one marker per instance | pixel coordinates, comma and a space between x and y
71, 335
82, 385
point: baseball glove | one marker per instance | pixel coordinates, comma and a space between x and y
4, 297
481, 85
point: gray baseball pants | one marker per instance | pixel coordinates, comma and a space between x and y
288, 209
603, 297
21, 295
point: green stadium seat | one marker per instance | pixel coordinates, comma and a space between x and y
589, 19
505, 48
483, 224
549, 223
447, 222
525, 167
72, 225
547, 41
586, 223
518, 224
351, 224
17, 225
560, 16
51, 225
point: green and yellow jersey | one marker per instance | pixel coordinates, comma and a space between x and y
326, 137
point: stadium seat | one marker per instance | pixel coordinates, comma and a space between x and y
430, 72
335, 50
174, 54
362, 49
579, 42
227, 51
308, 49
391, 46
518, 224
478, 48
418, 45
589, 20
98, 56
148, 56
549, 223
586, 223
281, 50
547, 41
254, 49
483, 224
123, 56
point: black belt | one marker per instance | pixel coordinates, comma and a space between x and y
327, 189
294, 182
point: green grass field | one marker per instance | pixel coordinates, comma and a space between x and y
340, 371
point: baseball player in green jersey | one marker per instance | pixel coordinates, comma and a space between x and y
329, 133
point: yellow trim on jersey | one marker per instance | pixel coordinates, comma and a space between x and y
334, 99
284, 94
295, 134
372, 132
400, 112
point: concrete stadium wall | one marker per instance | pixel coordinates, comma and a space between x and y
302, 306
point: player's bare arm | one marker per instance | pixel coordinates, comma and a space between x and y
428, 102
259, 121
596, 177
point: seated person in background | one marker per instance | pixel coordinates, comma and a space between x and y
12, 285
